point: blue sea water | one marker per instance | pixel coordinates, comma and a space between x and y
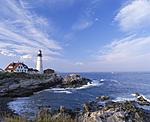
118, 85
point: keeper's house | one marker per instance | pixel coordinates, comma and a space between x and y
17, 67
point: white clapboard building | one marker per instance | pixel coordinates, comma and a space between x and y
17, 67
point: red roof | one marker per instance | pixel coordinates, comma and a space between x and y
13, 66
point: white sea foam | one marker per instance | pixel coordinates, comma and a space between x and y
102, 79
59, 90
134, 95
120, 99
141, 96
116, 81
111, 80
94, 83
145, 98
65, 91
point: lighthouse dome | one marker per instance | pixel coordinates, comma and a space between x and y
40, 53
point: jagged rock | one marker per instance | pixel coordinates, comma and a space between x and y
18, 85
117, 117
126, 111
141, 99
86, 107
22, 84
74, 80
102, 98
116, 112
42, 113
62, 109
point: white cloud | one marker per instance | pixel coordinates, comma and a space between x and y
130, 53
134, 16
82, 24
53, 4
26, 57
23, 33
87, 17
79, 63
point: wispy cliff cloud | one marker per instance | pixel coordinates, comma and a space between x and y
23, 33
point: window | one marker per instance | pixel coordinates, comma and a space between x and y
10, 66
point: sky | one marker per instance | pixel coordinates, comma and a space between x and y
76, 35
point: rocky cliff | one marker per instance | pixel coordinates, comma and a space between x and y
22, 84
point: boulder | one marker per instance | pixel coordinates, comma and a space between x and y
115, 112
62, 109
141, 99
75, 80
49, 71
102, 98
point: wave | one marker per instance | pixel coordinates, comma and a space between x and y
60, 90
109, 80
141, 96
102, 80
121, 99
94, 83
65, 91
134, 98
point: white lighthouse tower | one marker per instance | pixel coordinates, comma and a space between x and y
39, 65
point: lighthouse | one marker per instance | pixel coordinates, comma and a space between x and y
39, 65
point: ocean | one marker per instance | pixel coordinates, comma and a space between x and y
118, 85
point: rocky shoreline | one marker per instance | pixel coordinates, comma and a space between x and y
94, 111
123, 111
22, 84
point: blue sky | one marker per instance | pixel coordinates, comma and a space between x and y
77, 35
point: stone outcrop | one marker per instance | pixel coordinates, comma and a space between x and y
141, 99
111, 112
22, 84
74, 80
102, 98
116, 112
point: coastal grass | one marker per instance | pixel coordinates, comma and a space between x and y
45, 118
15, 119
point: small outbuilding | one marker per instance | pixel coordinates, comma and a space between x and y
49, 71
32, 71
